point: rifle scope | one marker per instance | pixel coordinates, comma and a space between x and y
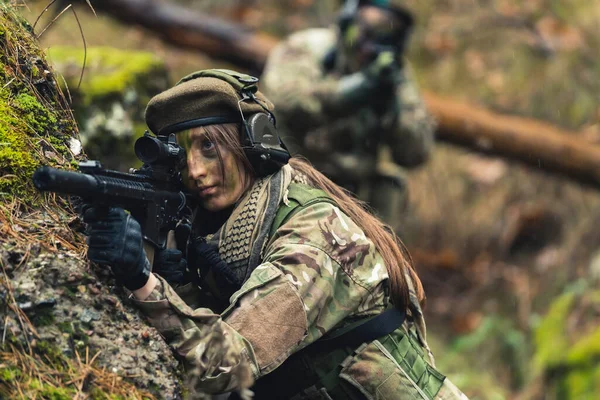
158, 150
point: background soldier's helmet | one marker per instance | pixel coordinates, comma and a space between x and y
374, 26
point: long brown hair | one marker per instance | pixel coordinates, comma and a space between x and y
392, 250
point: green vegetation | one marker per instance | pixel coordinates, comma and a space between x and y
496, 341
110, 101
33, 115
16, 159
551, 342
49, 374
109, 71
568, 346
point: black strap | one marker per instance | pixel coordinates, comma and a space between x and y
374, 328
322, 359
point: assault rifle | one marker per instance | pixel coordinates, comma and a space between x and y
154, 194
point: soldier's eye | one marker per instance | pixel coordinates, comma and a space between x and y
207, 145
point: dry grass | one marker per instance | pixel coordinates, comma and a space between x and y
39, 378
48, 226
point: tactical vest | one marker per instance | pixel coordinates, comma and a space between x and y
314, 372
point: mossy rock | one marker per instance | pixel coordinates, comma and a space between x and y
65, 333
568, 346
109, 102
36, 125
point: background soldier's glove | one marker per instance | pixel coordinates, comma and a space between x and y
170, 264
355, 89
115, 239
383, 68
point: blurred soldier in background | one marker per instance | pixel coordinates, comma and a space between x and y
347, 100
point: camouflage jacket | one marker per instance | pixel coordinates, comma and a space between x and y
342, 142
318, 271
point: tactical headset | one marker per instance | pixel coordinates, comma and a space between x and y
260, 141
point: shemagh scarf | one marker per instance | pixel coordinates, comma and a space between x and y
242, 238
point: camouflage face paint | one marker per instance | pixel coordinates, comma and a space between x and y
185, 141
212, 170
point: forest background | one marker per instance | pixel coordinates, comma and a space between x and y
508, 253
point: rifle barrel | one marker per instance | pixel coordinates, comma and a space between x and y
48, 179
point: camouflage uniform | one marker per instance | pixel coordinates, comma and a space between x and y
358, 147
317, 271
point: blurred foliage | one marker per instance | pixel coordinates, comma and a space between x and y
33, 114
536, 58
568, 344
491, 287
109, 102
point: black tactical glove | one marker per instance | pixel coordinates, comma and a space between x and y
115, 239
170, 264
372, 83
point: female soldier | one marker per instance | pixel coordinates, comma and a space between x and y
321, 301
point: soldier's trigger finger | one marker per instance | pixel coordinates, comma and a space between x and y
182, 234
170, 256
98, 256
102, 228
99, 241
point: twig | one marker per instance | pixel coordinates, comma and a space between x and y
54, 20
42, 13
84, 44
90, 4
4, 330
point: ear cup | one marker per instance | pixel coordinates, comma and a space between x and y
267, 152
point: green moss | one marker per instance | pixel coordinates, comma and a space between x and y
9, 374
550, 339
16, 160
51, 353
34, 114
30, 109
114, 70
80, 337
57, 393
65, 327
44, 318
38, 389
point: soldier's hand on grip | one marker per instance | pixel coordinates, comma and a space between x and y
170, 264
115, 239
383, 67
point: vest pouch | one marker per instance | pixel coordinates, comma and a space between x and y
392, 368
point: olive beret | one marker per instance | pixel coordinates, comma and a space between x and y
204, 98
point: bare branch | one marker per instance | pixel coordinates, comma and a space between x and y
42, 13
53, 21
84, 47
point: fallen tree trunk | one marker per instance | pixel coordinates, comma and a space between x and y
536, 143
183, 27
533, 142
